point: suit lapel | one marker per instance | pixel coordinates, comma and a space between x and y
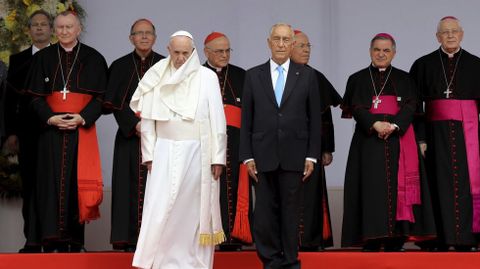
293, 73
266, 79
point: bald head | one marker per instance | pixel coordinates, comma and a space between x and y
301, 49
449, 34
448, 19
217, 51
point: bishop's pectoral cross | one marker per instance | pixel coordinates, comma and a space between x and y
375, 102
447, 93
64, 92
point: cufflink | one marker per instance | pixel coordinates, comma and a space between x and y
238, 99
399, 98
47, 79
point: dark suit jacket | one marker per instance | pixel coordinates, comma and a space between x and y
3, 82
16, 105
280, 136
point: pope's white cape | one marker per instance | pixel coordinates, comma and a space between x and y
188, 96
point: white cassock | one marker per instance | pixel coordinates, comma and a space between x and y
181, 192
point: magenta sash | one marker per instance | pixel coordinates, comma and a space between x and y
465, 111
408, 185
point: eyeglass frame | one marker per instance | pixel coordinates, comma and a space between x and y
220, 51
143, 33
303, 46
450, 31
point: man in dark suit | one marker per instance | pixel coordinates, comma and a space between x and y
279, 142
21, 131
3, 80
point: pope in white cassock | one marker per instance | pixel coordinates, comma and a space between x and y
183, 137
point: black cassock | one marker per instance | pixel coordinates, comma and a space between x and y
315, 229
57, 149
22, 122
446, 152
129, 175
370, 190
231, 80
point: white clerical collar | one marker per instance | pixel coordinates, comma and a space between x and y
35, 49
285, 65
218, 69
380, 69
450, 55
69, 49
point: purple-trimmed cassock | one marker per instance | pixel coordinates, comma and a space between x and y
449, 126
386, 196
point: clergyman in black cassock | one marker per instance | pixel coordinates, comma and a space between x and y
217, 50
129, 175
67, 81
22, 125
315, 228
448, 84
386, 197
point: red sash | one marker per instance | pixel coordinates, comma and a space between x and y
465, 111
89, 172
408, 189
241, 227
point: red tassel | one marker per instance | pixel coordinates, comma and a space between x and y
241, 227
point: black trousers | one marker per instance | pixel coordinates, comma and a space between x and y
275, 218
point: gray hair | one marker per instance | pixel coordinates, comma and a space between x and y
383, 37
278, 24
439, 25
69, 12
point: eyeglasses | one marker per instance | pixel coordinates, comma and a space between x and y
304, 46
277, 40
143, 33
448, 32
220, 51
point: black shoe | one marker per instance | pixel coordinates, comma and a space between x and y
48, 249
310, 249
371, 246
31, 249
129, 249
439, 248
466, 249
394, 249
74, 248
230, 247
62, 248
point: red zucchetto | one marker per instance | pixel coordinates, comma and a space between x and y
212, 36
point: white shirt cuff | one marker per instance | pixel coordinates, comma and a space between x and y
247, 160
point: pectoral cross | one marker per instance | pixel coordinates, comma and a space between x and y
447, 93
64, 92
376, 102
